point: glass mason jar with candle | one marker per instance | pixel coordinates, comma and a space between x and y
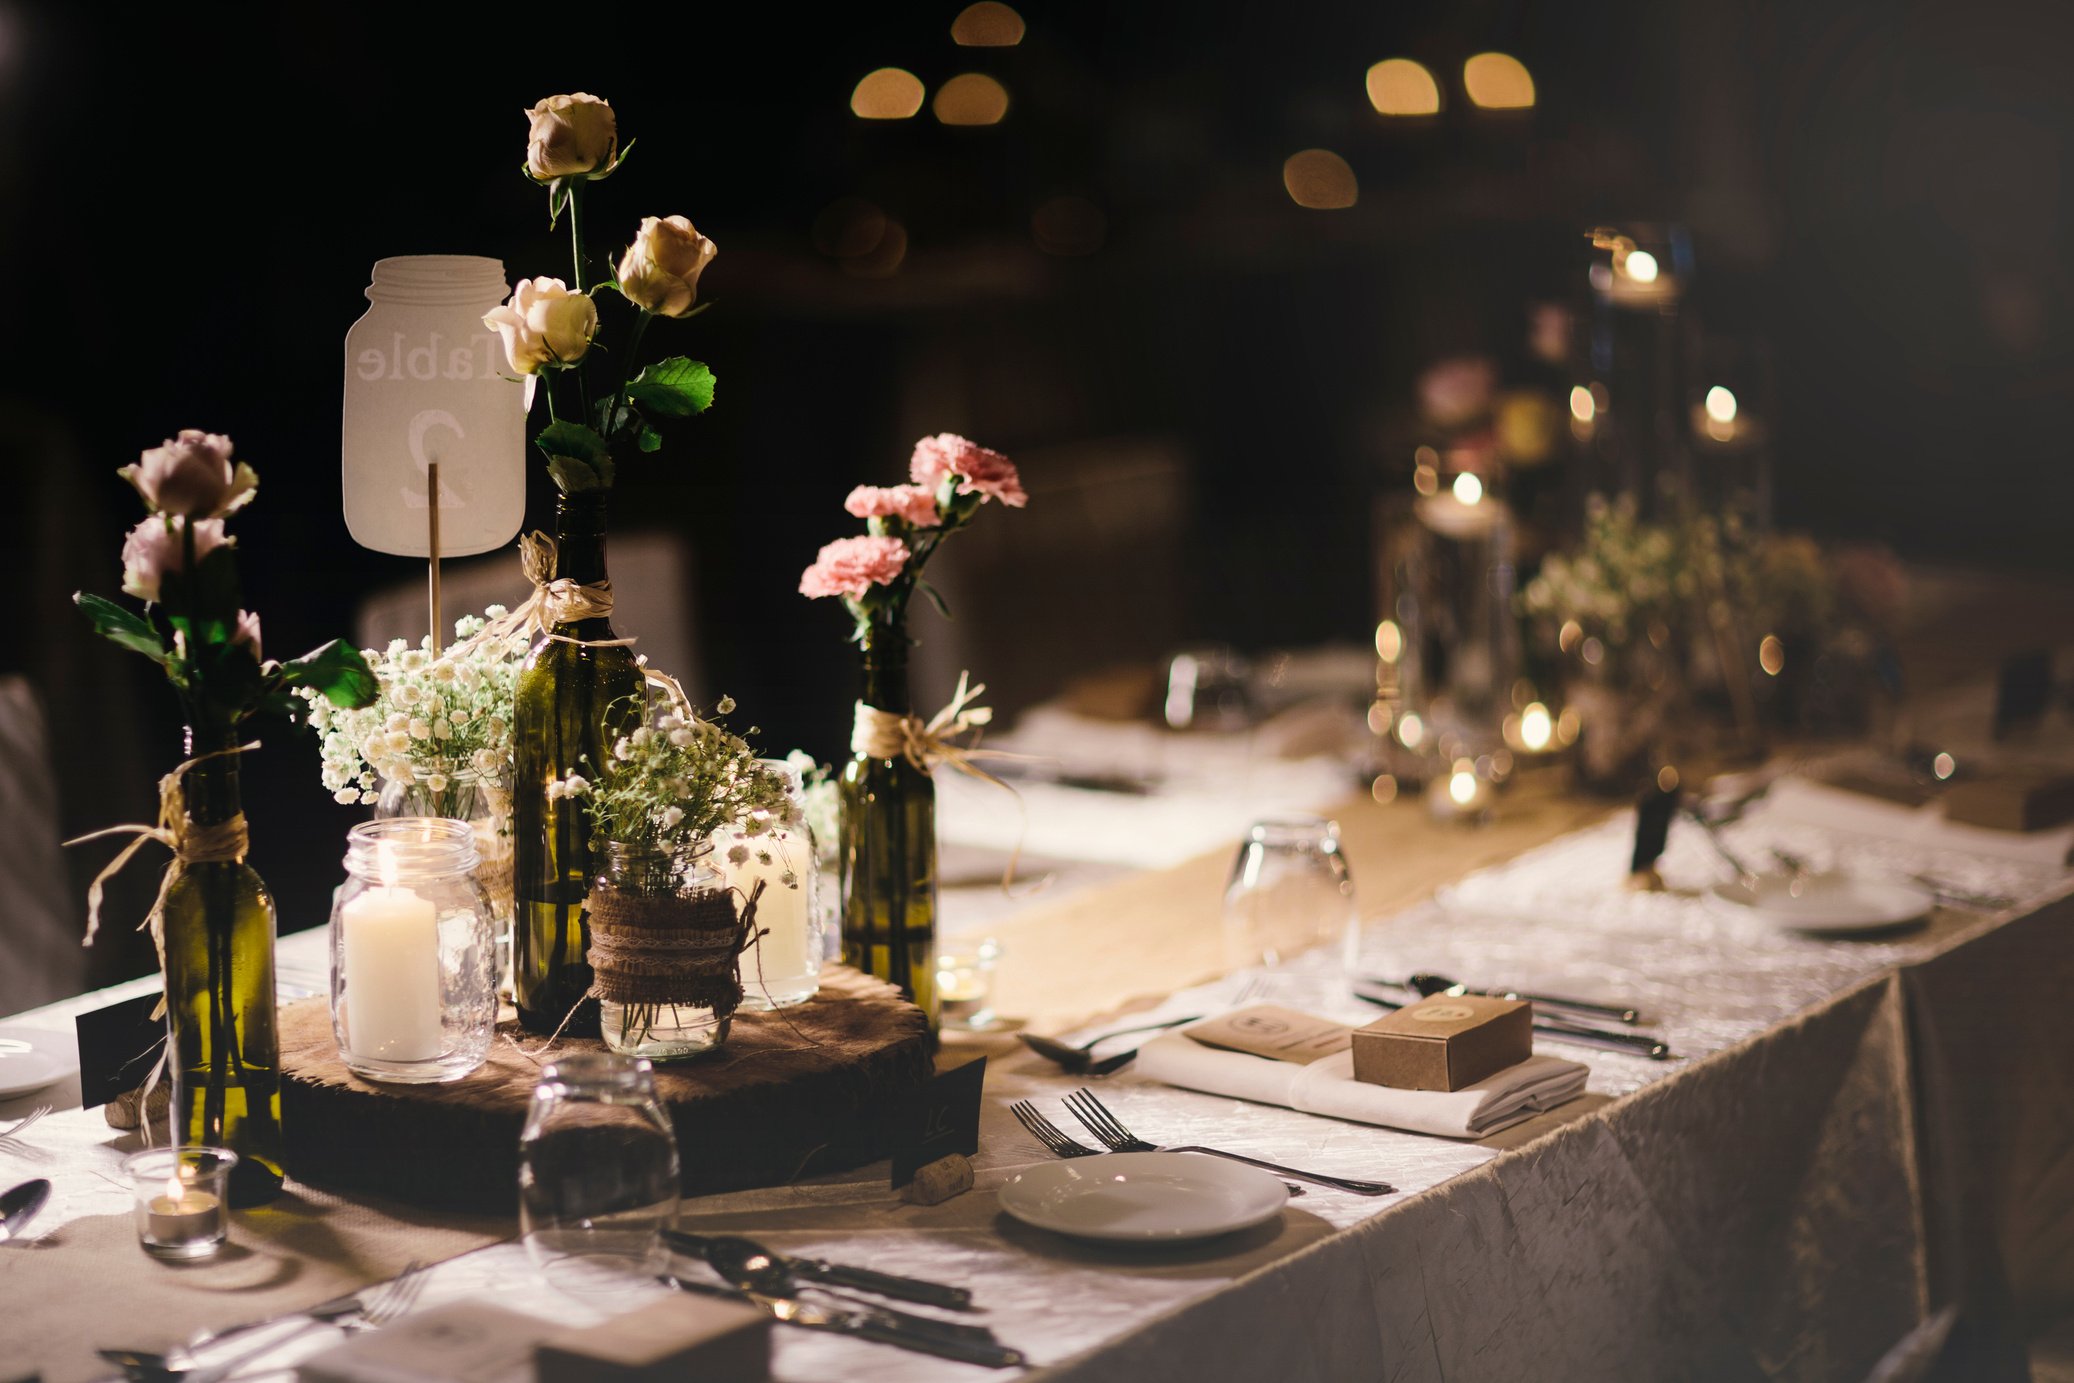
413, 953
578, 692
782, 966
484, 802
666, 942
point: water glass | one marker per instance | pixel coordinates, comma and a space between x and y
598, 1179
1289, 891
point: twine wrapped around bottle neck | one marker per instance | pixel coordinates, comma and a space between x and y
192, 843
878, 734
556, 600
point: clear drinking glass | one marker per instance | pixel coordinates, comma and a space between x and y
1289, 891
597, 1172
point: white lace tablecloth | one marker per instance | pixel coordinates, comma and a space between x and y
1753, 1209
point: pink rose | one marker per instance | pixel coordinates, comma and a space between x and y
913, 503
247, 633
154, 548
986, 473
852, 566
193, 476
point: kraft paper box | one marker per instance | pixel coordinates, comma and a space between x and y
466, 1342
2012, 801
1444, 1043
679, 1338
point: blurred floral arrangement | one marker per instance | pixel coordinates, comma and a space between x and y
675, 780
549, 327
824, 803
440, 722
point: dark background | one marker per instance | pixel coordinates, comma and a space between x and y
191, 197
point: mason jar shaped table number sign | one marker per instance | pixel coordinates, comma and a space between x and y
429, 394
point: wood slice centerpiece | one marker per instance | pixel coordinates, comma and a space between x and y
791, 1095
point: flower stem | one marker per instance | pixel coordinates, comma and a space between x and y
576, 233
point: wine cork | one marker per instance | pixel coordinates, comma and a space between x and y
936, 1182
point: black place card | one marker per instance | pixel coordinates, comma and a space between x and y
939, 1119
1653, 813
2022, 691
118, 1046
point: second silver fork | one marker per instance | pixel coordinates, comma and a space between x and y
1110, 1130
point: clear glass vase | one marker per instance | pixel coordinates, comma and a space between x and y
484, 803
782, 967
224, 1053
598, 1173
888, 853
667, 888
576, 695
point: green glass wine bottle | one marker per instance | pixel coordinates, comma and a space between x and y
224, 1051
888, 854
574, 699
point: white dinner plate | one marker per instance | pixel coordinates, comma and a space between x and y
1829, 902
30, 1060
1155, 1197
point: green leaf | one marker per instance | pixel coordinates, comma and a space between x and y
935, 597
337, 670
577, 457
648, 439
675, 388
124, 628
571, 475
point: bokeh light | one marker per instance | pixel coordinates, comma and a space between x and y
987, 25
1639, 265
1399, 86
1498, 81
1721, 405
970, 98
891, 93
1320, 180
1536, 727
1468, 488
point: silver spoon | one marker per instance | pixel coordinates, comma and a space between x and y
19, 1206
1076, 1060
746, 1265
1429, 985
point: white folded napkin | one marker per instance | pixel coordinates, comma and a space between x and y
1327, 1086
1801, 799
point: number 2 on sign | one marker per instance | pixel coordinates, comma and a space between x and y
423, 458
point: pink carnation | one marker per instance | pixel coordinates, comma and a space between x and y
979, 470
852, 566
910, 502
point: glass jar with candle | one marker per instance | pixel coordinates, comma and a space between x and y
782, 967
182, 1199
665, 950
413, 953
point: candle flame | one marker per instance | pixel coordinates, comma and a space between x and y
174, 1190
385, 861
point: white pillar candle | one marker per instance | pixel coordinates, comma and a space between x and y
392, 975
783, 913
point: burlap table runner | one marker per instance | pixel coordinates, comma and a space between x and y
87, 1284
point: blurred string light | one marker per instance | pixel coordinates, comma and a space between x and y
1468, 489
1721, 405
1320, 180
890, 93
1771, 655
987, 25
1639, 265
867, 242
1583, 407
1069, 225
970, 98
1399, 86
1536, 727
1498, 81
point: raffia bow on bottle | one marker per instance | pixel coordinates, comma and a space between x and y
881, 734
652, 951
191, 843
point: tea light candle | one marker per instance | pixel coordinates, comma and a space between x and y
391, 948
182, 1210
965, 987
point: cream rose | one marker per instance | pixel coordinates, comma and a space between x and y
154, 547
660, 270
192, 476
544, 325
571, 135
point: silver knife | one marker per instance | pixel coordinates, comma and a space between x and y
841, 1275
864, 1324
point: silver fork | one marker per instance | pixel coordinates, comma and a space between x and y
1052, 1137
1110, 1130
27, 1122
377, 1308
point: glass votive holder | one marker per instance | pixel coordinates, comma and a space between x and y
965, 986
182, 1199
413, 953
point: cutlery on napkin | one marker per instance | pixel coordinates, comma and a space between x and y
705, 1248
864, 1324
1327, 1086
